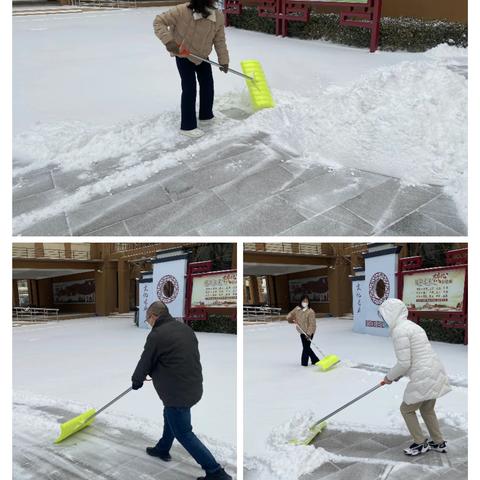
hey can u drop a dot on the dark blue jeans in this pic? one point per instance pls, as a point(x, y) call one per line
point(189, 72)
point(178, 424)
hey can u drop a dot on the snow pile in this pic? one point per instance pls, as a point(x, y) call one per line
point(282, 459)
point(74, 145)
point(407, 121)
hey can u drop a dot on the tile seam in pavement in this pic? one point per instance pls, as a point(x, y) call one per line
point(416, 210)
point(441, 223)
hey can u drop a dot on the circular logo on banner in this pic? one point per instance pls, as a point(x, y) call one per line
point(379, 288)
point(167, 289)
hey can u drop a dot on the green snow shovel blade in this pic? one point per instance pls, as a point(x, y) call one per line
point(78, 423)
point(75, 425)
point(312, 434)
point(327, 362)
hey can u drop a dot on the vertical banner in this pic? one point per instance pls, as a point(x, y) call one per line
point(358, 302)
point(169, 282)
point(145, 298)
point(380, 283)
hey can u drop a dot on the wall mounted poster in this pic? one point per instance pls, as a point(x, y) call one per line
point(215, 291)
point(435, 291)
point(315, 287)
point(76, 291)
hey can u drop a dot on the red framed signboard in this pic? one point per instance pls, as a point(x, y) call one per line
point(210, 291)
point(439, 292)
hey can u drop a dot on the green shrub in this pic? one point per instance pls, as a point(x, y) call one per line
point(215, 324)
point(408, 34)
point(436, 332)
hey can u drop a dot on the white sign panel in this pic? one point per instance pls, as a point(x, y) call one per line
point(169, 283)
point(358, 297)
point(145, 295)
point(380, 284)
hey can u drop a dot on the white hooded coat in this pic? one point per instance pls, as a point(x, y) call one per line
point(416, 358)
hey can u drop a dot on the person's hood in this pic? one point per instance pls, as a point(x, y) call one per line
point(393, 311)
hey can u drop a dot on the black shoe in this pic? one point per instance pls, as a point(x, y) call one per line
point(218, 475)
point(417, 449)
point(154, 452)
point(438, 447)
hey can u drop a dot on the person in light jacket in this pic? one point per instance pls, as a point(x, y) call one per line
point(304, 317)
point(171, 358)
point(197, 26)
point(416, 360)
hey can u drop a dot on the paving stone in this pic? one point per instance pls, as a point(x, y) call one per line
point(114, 208)
point(367, 471)
point(250, 189)
point(334, 222)
point(330, 189)
point(388, 202)
point(179, 217)
point(53, 226)
point(118, 229)
point(418, 224)
point(32, 185)
point(268, 217)
point(444, 210)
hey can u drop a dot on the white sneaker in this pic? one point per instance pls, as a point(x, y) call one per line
point(195, 133)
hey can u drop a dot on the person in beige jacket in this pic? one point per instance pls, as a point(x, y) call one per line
point(198, 27)
point(304, 317)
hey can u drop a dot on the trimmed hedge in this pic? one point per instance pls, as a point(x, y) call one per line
point(436, 332)
point(215, 324)
point(410, 34)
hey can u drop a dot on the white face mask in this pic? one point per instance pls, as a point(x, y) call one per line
point(304, 305)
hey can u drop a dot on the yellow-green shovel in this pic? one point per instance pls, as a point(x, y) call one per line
point(78, 423)
point(328, 361)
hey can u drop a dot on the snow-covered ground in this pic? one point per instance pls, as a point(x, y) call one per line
point(95, 87)
point(283, 398)
point(74, 365)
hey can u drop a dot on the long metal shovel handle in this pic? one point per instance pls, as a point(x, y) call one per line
point(211, 62)
point(356, 399)
point(108, 404)
point(308, 336)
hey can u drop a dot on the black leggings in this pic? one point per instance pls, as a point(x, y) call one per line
point(189, 73)
point(307, 352)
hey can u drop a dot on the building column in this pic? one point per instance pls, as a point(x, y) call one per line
point(254, 289)
point(123, 286)
point(106, 289)
point(339, 286)
point(15, 297)
point(234, 256)
point(39, 250)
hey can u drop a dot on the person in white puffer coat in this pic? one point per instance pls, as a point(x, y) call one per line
point(417, 360)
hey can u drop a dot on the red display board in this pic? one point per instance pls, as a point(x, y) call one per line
point(438, 293)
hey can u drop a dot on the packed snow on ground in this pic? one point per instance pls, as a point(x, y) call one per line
point(282, 398)
point(80, 364)
point(92, 87)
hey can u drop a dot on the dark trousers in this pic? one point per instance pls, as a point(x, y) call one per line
point(178, 424)
point(307, 352)
point(189, 72)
